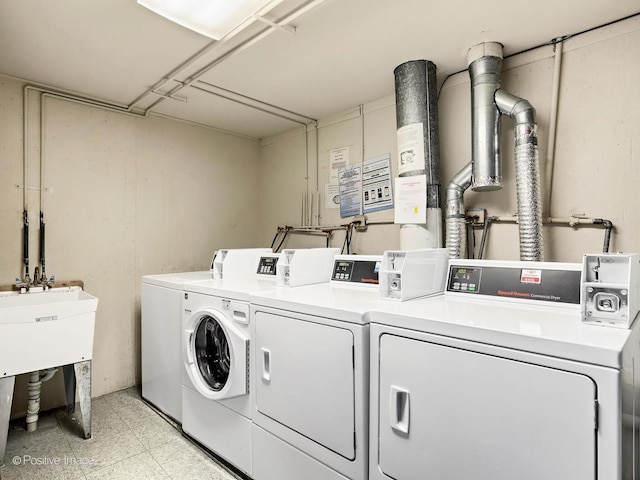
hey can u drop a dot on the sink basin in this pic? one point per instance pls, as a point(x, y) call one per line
point(45, 329)
point(38, 307)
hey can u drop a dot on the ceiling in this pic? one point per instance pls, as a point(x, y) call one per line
point(341, 54)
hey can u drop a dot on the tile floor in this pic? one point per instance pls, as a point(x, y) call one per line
point(129, 440)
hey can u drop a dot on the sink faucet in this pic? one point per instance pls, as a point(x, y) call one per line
point(25, 284)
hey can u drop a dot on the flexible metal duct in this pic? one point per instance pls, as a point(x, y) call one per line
point(527, 173)
point(419, 145)
point(455, 217)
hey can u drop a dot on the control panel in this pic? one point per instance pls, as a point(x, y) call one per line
point(526, 281)
point(356, 269)
point(267, 265)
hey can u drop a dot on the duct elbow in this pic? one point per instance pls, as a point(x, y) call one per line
point(455, 221)
point(519, 109)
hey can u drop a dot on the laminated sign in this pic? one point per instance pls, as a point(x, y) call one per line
point(350, 191)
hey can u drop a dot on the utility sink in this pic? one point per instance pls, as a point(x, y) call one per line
point(45, 329)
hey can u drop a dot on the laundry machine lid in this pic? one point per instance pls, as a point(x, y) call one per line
point(232, 288)
point(549, 330)
point(345, 303)
point(177, 280)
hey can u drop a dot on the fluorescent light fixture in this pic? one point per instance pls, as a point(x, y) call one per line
point(212, 18)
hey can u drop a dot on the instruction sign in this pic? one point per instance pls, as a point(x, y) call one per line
point(376, 184)
point(350, 191)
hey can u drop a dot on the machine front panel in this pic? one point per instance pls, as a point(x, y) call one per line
point(447, 412)
point(305, 379)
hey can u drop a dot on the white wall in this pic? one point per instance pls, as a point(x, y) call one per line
point(123, 197)
point(597, 154)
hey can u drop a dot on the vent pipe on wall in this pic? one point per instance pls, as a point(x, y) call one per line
point(455, 218)
point(488, 102)
point(419, 146)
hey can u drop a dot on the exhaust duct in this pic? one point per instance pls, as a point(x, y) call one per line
point(488, 102)
point(419, 146)
point(455, 218)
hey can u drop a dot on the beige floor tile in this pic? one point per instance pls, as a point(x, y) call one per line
point(177, 455)
point(139, 466)
point(105, 448)
point(155, 431)
point(203, 469)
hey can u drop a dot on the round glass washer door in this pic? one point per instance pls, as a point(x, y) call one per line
point(216, 355)
point(212, 355)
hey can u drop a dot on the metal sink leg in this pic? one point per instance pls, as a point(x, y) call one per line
point(83, 379)
point(6, 397)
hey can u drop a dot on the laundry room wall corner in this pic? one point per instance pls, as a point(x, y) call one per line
point(123, 197)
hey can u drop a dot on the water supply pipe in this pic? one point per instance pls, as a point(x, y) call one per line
point(419, 146)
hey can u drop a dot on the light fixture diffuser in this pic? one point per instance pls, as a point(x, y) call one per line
point(212, 18)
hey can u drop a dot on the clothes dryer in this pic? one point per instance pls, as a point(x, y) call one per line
point(216, 362)
point(499, 379)
point(161, 307)
point(311, 353)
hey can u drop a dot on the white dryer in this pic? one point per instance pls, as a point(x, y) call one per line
point(500, 379)
point(161, 300)
point(161, 316)
point(311, 353)
point(216, 396)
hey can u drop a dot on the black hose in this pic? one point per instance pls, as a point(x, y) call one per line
point(485, 232)
point(608, 229)
point(42, 237)
point(275, 237)
point(25, 244)
point(286, 232)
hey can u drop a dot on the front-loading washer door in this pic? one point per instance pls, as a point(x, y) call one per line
point(216, 355)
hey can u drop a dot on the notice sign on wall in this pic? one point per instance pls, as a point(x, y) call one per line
point(338, 159)
point(410, 147)
point(350, 191)
point(411, 194)
point(376, 184)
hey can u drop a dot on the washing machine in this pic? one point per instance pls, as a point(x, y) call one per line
point(500, 378)
point(216, 368)
point(311, 351)
point(161, 307)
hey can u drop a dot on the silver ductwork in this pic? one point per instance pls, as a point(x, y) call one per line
point(488, 103)
point(485, 64)
point(419, 145)
point(454, 210)
point(527, 174)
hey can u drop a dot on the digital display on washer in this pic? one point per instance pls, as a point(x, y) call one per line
point(356, 271)
point(464, 279)
point(267, 265)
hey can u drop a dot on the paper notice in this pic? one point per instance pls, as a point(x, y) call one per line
point(411, 148)
point(411, 199)
point(338, 159)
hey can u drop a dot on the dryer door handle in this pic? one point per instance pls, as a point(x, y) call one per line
point(266, 365)
point(399, 410)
